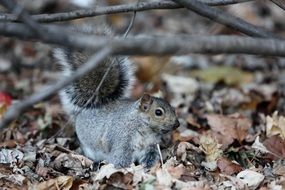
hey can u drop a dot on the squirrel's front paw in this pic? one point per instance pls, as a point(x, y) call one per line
point(150, 158)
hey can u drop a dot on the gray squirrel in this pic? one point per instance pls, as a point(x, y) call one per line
point(110, 126)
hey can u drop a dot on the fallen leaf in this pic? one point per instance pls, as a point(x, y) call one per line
point(192, 185)
point(259, 146)
point(276, 146)
point(85, 162)
point(72, 161)
point(251, 178)
point(106, 171)
point(190, 120)
point(274, 185)
point(210, 147)
point(233, 182)
point(5, 102)
point(210, 165)
point(164, 178)
point(121, 180)
point(8, 144)
point(225, 141)
point(42, 171)
point(139, 174)
point(279, 168)
point(149, 67)
point(61, 182)
point(177, 172)
point(183, 135)
point(230, 75)
point(180, 86)
point(227, 166)
point(182, 148)
point(8, 156)
point(234, 126)
point(275, 125)
point(16, 179)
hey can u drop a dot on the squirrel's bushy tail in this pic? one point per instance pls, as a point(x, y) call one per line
point(81, 93)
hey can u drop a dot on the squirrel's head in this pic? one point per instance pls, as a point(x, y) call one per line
point(158, 114)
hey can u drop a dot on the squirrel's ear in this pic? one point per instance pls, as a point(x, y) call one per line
point(145, 102)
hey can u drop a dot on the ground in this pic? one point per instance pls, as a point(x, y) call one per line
point(230, 108)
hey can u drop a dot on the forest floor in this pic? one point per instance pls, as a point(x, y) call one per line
point(231, 110)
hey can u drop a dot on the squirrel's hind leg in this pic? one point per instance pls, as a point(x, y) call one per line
point(150, 157)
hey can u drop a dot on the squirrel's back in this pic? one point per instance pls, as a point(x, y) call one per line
point(81, 94)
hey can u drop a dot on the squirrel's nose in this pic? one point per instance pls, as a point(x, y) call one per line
point(176, 124)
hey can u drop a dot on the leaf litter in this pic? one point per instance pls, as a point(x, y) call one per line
point(231, 110)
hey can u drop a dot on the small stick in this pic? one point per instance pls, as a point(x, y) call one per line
point(160, 155)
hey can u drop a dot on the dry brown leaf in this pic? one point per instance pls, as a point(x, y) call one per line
point(225, 141)
point(61, 182)
point(177, 172)
point(121, 180)
point(106, 171)
point(275, 125)
point(184, 135)
point(85, 162)
point(210, 147)
point(190, 120)
point(234, 126)
point(227, 166)
point(182, 148)
point(276, 146)
point(279, 168)
point(16, 179)
point(72, 161)
point(42, 171)
point(8, 144)
point(149, 67)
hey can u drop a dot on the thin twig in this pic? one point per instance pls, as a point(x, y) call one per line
point(160, 155)
point(225, 18)
point(15, 110)
point(142, 6)
point(131, 24)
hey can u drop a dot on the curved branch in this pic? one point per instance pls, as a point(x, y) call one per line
point(142, 6)
point(225, 18)
point(279, 3)
point(151, 45)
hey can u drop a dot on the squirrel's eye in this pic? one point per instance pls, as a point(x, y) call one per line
point(158, 112)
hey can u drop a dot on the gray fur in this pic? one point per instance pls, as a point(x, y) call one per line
point(118, 134)
point(113, 128)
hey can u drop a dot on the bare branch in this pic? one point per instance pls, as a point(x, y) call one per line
point(279, 3)
point(23, 15)
point(142, 6)
point(225, 18)
point(15, 110)
point(152, 45)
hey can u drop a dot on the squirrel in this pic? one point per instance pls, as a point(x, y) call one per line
point(109, 125)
